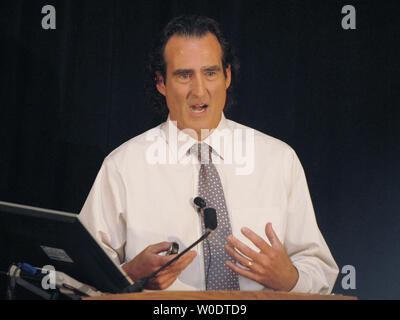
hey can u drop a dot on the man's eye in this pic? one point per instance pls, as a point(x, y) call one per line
point(184, 76)
point(211, 73)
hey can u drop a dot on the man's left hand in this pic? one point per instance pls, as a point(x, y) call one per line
point(270, 267)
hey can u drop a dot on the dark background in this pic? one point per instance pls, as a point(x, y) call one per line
point(70, 96)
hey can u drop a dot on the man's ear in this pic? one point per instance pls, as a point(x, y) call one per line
point(228, 77)
point(160, 84)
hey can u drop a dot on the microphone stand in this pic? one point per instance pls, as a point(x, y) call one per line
point(141, 283)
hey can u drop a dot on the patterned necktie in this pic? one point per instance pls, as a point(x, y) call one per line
point(218, 275)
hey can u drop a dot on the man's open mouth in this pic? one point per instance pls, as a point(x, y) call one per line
point(199, 108)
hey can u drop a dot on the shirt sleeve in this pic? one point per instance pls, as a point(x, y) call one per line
point(103, 211)
point(303, 240)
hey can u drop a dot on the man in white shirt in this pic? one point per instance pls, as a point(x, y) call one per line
point(142, 198)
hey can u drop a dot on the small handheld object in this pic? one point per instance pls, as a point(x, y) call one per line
point(174, 249)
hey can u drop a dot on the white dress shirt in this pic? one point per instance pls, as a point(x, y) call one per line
point(144, 190)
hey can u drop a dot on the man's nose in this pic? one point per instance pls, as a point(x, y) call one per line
point(198, 86)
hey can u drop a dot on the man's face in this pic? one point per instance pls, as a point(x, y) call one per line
point(195, 88)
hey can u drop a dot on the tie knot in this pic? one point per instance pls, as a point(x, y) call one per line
point(202, 151)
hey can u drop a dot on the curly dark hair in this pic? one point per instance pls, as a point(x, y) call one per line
point(190, 26)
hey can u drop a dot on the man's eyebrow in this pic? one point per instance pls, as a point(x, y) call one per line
point(182, 71)
point(211, 68)
point(206, 68)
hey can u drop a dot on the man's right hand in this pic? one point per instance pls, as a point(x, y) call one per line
point(149, 260)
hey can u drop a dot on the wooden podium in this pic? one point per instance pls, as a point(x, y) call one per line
point(219, 295)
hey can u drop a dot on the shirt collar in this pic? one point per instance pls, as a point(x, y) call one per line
point(185, 141)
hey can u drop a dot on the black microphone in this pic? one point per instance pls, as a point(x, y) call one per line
point(210, 219)
point(210, 224)
point(200, 204)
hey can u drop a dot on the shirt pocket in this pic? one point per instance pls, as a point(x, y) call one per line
point(255, 219)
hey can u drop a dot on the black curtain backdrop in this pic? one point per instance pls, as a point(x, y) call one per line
point(69, 96)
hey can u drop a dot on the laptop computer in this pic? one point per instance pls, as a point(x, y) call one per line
point(43, 237)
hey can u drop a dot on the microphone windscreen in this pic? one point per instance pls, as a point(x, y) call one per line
point(199, 202)
point(210, 218)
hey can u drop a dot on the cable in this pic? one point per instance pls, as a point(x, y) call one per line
point(209, 261)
